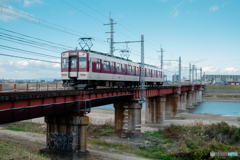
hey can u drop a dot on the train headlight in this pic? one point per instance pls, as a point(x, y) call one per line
point(64, 74)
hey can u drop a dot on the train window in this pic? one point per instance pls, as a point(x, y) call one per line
point(73, 62)
point(82, 62)
point(112, 66)
point(153, 73)
point(133, 70)
point(129, 69)
point(158, 73)
point(148, 72)
point(64, 62)
point(119, 67)
point(106, 65)
point(137, 71)
point(98, 64)
point(124, 69)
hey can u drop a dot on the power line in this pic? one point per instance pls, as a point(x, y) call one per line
point(35, 38)
point(30, 52)
point(23, 40)
point(28, 58)
point(123, 22)
point(38, 21)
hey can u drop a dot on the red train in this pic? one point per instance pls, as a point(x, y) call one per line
point(84, 69)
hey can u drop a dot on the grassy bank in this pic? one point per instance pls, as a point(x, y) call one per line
point(174, 142)
point(8, 151)
point(26, 127)
point(223, 87)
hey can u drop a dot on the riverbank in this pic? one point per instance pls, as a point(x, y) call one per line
point(222, 99)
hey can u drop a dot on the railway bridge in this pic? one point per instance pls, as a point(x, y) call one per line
point(66, 111)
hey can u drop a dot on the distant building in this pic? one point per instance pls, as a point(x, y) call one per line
point(56, 81)
point(175, 78)
point(222, 79)
point(232, 83)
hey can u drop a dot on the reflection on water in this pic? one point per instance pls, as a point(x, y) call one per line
point(225, 108)
point(110, 106)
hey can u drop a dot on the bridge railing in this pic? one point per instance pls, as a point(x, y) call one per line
point(18, 87)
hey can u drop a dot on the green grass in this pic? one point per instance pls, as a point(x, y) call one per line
point(8, 151)
point(26, 127)
point(153, 152)
point(223, 87)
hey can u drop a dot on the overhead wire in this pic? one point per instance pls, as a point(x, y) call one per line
point(34, 38)
point(29, 52)
point(28, 58)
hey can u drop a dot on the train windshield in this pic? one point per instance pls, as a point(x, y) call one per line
point(73, 62)
point(64, 62)
point(82, 62)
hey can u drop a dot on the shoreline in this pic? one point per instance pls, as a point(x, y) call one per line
point(220, 100)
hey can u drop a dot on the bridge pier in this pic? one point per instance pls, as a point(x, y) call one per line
point(194, 102)
point(67, 136)
point(200, 96)
point(182, 101)
point(128, 120)
point(171, 105)
point(189, 99)
point(155, 110)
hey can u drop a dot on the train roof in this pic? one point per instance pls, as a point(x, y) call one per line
point(106, 54)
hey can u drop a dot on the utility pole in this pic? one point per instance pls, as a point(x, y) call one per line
point(204, 79)
point(201, 76)
point(111, 31)
point(192, 77)
point(189, 73)
point(196, 73)
point(142, 80)
point(161, 50)
point(179, 76)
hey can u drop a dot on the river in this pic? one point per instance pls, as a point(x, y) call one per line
point(224, 108)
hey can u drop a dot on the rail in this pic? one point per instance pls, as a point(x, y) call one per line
point(13, 87)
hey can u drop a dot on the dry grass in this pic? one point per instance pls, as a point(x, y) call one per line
point(8, 151)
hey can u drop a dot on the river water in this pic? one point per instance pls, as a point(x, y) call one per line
point(224, 108)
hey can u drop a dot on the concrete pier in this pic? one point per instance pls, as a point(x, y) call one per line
point(155, 110)
point(189, 100)
point(128, 120)
point(182, 101)
point(67, 136)
point(194, 102)
point(171, 105)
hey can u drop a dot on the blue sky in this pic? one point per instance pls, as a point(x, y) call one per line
point(204, 32)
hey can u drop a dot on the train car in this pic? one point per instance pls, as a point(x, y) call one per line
point(84, 69)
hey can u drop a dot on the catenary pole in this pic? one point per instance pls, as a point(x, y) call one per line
point(179, 76)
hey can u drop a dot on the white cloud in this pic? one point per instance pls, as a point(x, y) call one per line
point(28, 3)
point(213, 8)
point(24, 69)
point(228, 60)
point(231, 69)
point(197, 60)
point(175, 14)
point(163, 0)
point(176, 11)
point(10, 10)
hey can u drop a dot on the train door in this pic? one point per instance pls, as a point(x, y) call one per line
point(73, 69)
point(98, 66)
point(90, 68)
point(113, 69)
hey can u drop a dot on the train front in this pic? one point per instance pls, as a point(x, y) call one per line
point(74, 68)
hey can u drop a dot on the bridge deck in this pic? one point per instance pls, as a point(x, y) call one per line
point(15, 106)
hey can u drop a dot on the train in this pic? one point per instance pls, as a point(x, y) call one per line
point(90, 69)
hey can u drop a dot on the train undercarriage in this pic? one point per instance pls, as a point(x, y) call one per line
point(86, 84)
